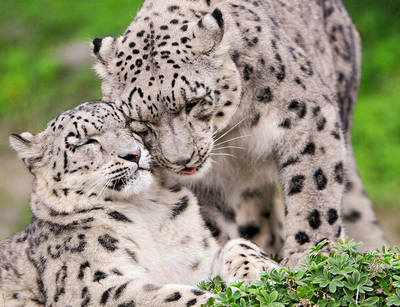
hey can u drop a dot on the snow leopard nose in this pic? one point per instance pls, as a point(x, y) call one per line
point(132, 156)
point(182, 159)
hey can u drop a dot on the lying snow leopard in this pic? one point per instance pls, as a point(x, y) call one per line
point(107, 229)
point(282, 78)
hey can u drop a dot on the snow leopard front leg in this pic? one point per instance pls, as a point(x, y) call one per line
point(127, 292)
point(312, 161)
point(241, 259)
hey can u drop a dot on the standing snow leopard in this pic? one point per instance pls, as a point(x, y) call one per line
point(107, 229)
point(282, 77)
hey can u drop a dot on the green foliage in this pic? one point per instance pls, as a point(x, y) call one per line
point(36, 84)
point(376, 127)
point(344, 278)
point(376, 140)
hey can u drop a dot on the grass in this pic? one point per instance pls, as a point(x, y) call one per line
point(36, 84)
point(345, 278)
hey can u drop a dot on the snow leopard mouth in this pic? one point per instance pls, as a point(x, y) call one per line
point(192, 171)
point(188, 170)
point(129, 175)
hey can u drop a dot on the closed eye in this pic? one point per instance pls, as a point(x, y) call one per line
point(139, 126)
point(192, 104)
point(137, 138)
point(91, 141)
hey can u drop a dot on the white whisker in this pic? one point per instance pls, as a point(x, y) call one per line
point(90, 178)
point(230, 129)
point(239, 137)
point(237, 147)
point(95, 183)
point(223, 154)
point(213, 161)
point(90, 189)
point(113, 188)
point(237, 107)
point(98, 183)
point(98, 195)
point(95, 174)
point(103, 190)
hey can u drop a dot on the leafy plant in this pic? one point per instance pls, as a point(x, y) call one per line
point(344, 278)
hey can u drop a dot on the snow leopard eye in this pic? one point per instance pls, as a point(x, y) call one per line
point(138, 126)
point(190, 105)
point(91, 141)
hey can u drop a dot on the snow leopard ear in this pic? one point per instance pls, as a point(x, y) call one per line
point(25, 146)
point(103, 50)
point(210, 30)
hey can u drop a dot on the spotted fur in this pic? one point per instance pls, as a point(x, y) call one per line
point(107, 228)
point(282, 77)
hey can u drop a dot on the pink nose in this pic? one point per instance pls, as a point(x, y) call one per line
point(133, 156)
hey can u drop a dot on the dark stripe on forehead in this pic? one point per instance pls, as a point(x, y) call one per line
point(131, 93)
point(65, 160)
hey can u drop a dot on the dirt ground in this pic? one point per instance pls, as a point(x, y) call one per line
point(15, 187)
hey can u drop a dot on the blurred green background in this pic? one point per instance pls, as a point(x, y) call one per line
point(45, 68)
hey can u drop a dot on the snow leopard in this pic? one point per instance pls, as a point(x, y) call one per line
point(108, 228)
point(253, 97)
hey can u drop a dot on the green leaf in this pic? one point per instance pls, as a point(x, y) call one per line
point(371, 300)
point(396, 283)
point(236, 295)
point(394, 300)
point(345, 278)
point(333, 303)
point(383, 283)
point(332, 287)
point(222, 297)
point(277, 304)
point(273, 295)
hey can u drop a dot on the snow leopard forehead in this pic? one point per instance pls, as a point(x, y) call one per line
point(164, 62)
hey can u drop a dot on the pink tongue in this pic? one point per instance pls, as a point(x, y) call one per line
point(188, 170)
